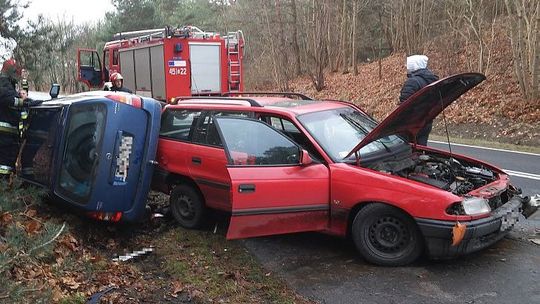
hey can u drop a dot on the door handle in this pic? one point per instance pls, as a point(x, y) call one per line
point(246, 188)
point(196, 160)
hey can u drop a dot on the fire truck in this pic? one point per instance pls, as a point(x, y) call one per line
point(169, 62)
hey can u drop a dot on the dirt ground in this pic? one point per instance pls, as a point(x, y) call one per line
point(182, 266)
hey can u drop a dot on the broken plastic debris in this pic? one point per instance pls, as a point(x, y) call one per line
point(134, 254)
point(536, 241)
point(535, 200)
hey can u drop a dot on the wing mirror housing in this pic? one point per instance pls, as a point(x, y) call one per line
point(54, 91)
point(305, 159)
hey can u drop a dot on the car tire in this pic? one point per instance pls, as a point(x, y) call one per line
point(187, 206)
point(385, 235)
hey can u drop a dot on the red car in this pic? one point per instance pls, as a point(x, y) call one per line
point(286, 163)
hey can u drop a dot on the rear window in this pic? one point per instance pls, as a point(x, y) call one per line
point(178, 123)
point(80, 159)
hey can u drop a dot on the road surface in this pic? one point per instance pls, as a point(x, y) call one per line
point(328, 269)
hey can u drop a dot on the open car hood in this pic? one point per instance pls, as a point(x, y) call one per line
point(422, 107)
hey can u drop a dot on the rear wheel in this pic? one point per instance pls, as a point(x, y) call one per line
point(385, 235)
point(187, 206)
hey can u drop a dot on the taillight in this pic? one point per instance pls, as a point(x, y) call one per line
point(131, 100)
point(106, 216)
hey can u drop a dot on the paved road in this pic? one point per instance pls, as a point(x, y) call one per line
point(328, 270)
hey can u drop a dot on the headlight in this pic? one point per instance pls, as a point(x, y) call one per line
point(475, 206)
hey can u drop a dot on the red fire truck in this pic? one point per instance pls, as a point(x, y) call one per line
point(169, 62)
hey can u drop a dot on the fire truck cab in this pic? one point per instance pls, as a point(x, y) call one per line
point(169, 62)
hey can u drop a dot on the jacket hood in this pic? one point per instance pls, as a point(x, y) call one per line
point(422, 107)
point(416, 62)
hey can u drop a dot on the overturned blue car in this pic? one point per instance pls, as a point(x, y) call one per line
point(94, 151)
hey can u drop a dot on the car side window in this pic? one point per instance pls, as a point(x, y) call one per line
point(206, 132)
point(290, 130)
point(250, 142)
point(178, 124)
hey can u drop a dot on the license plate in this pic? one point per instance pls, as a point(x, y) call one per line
point(510, 219)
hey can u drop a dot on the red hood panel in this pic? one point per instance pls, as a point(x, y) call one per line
point(422, 107)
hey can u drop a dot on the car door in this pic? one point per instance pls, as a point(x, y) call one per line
point(89, 68)
point(207, 161)
point(272, 190)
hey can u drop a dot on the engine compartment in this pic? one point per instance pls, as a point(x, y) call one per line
point(447, 173)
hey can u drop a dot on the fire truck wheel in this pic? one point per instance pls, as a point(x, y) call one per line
point(187, 206)
point(385, 235)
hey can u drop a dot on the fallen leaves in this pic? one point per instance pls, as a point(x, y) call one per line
point(496, 103)
point(177, 287)
point(6, 218)
point(32, 226)
point(70, 282)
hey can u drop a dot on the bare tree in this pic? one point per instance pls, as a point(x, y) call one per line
point(524, 21)
point(410, 23)
point(295, 46)
point(317, 26)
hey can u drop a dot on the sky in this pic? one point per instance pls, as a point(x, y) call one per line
point(80, 10)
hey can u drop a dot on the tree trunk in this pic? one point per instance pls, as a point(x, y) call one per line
point(353, 48)
point(296, 48)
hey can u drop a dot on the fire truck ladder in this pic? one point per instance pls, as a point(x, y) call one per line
point(234, 43)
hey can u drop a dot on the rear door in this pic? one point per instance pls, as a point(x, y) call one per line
point(89, 68)
point(271, 191)
point(207, 161)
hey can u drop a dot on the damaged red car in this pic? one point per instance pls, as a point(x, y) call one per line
point(284, 164)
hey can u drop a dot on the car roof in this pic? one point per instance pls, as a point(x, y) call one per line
point(280, 104)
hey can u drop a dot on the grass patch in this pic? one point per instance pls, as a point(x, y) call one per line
point(216, 269)
point(486, 143)
point(77, 298)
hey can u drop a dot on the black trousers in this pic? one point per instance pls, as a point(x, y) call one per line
point(423, 134)
point(9, 149)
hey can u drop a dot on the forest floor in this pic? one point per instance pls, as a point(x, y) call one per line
point(184, 266)
point(493, 111)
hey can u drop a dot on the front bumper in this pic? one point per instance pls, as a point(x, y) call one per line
point(479, 233)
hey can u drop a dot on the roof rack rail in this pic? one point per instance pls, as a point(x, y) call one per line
point(285, 94)
point(252, 102)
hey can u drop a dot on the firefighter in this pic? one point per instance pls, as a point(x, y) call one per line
point(11, 105)
point(24, 80)
point(118, 83)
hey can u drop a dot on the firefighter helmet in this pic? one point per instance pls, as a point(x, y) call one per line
point(116, 76)
point(11, 69)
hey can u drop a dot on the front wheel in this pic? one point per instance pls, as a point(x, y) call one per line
point(187, 206)
point(386, 236)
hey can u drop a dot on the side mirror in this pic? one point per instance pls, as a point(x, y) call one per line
point(54, 91)
point(305, 159)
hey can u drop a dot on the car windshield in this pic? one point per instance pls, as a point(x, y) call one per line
point(338, 131)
